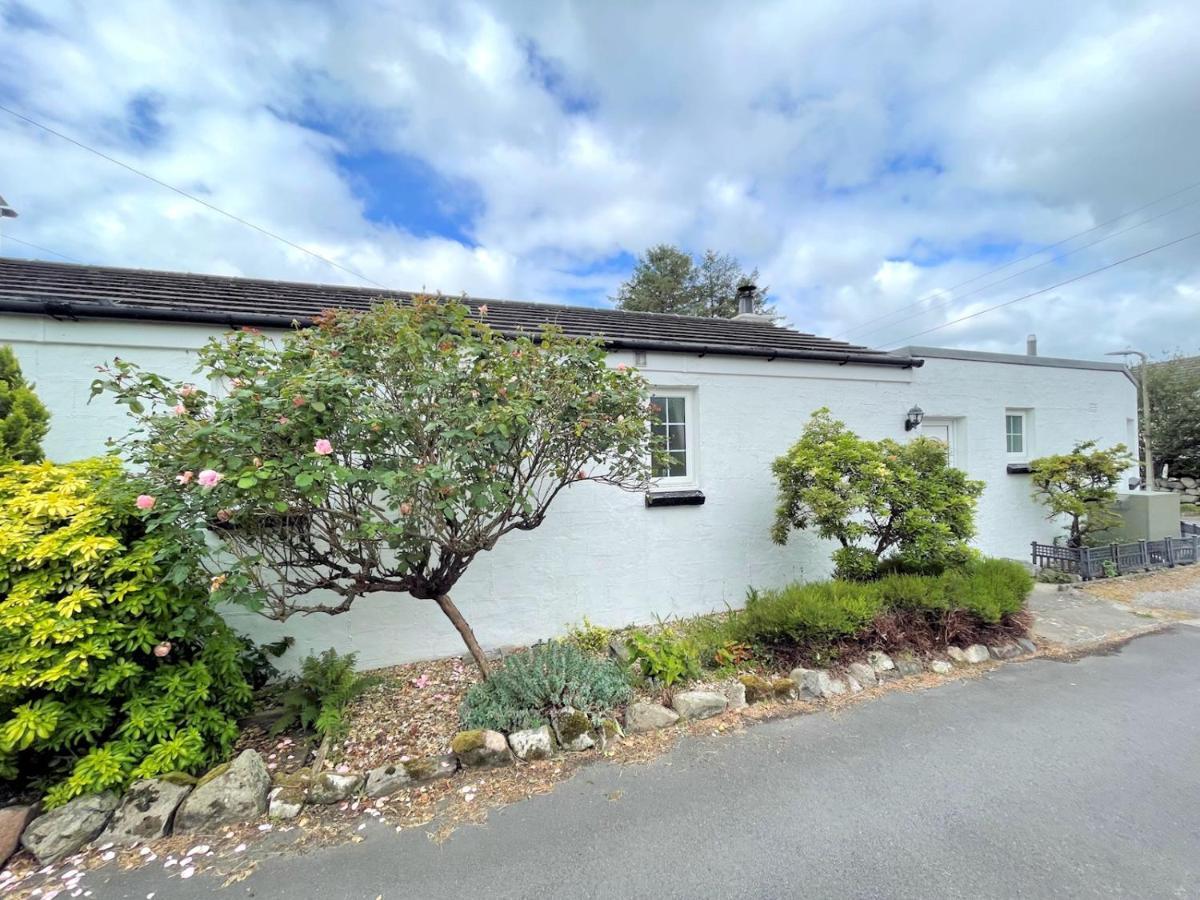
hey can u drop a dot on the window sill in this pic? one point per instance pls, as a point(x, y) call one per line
point(683, 497)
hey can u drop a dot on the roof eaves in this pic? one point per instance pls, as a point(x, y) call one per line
point(92, 309)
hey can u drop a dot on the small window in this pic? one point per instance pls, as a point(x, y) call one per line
point(1014, 433)
point(671, 425)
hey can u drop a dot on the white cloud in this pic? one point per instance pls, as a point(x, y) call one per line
point(863, 158)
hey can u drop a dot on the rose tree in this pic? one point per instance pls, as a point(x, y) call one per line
point(375, 452)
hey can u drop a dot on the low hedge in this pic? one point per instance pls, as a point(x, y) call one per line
point(818, 613)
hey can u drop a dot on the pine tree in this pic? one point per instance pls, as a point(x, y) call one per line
point(24, 421)
point(668, 280)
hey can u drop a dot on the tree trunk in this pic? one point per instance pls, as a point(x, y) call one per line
point(446, 605)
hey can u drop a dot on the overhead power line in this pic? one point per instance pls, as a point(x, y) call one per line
point(189, 196)
point(1058, 258)
point(945, 291)
point(8, 237)
point(1112, 265)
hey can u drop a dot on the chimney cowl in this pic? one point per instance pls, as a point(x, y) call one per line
point(1031, 345)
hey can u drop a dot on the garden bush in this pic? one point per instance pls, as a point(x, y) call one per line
point(316, 699)
point(989, 589)
point(591, 637)
point(807, 614)
point(986, 592)
point(877, 499)
point(532, 684)
point(113, 666)
point(665, 655)
point(24, 421)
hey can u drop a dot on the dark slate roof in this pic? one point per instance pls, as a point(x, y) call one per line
point(73, 291)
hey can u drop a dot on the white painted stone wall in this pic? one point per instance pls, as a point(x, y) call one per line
point(601, 552)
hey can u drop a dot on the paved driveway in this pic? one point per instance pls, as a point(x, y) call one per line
point(1040, 779)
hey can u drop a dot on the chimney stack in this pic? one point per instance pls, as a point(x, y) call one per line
point(1031, 345)
point(745, 295)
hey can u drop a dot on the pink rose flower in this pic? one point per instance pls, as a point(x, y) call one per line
point(162, 648)
point(179, 409)
point(297, 400)
point(208, 478)
point(187, 390)
point(144, 501)
point(483, 309)
point(224, 515)
point(185, 477)
point(405, 508)
point(323, 447)
point(621, 367)
point(283, 420)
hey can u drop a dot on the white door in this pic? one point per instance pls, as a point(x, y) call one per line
point(942, 431)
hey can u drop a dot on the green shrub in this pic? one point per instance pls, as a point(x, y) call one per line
point(714, 642)
point(989, 588)
point(592, 638)
point(316, 699)
point(113, 666)
point(875, 498)
point(808, 614)
point(665, 655)
point(854, 564)
point(821, 613)
point(1080, 489)
point(913, 592)
point(532, 684)
point(24, 421)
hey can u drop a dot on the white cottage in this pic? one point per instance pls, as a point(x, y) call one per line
point(742, 390)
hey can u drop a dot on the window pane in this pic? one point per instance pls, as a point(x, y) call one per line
point(1014, 427)
point(675, 438)
point(678, 466)
point(669, 430)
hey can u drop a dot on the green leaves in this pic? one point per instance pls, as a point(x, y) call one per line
point(874, 498)
point(88, 591)
point(317, 698)
point(30, 722)
point(24, 421)
point(443, 436)
point(1081, 485)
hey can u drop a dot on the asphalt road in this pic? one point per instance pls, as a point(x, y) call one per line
point(1043, 779)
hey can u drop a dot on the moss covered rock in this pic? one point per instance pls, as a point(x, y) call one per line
point(574, 730)
point(388, 779)
point(480, 749)
point(609, 732)
point(532, 743)
point(287, 801)
point(757, 688)
point(334, 787)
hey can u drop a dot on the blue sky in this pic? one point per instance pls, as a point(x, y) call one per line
point(866, 159)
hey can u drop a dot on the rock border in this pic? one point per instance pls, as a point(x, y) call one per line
point(243, 789)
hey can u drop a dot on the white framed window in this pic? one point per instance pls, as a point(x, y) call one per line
point(1017, 435)
point(673, 424)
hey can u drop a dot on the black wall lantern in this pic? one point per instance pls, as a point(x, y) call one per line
point(914, 417)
